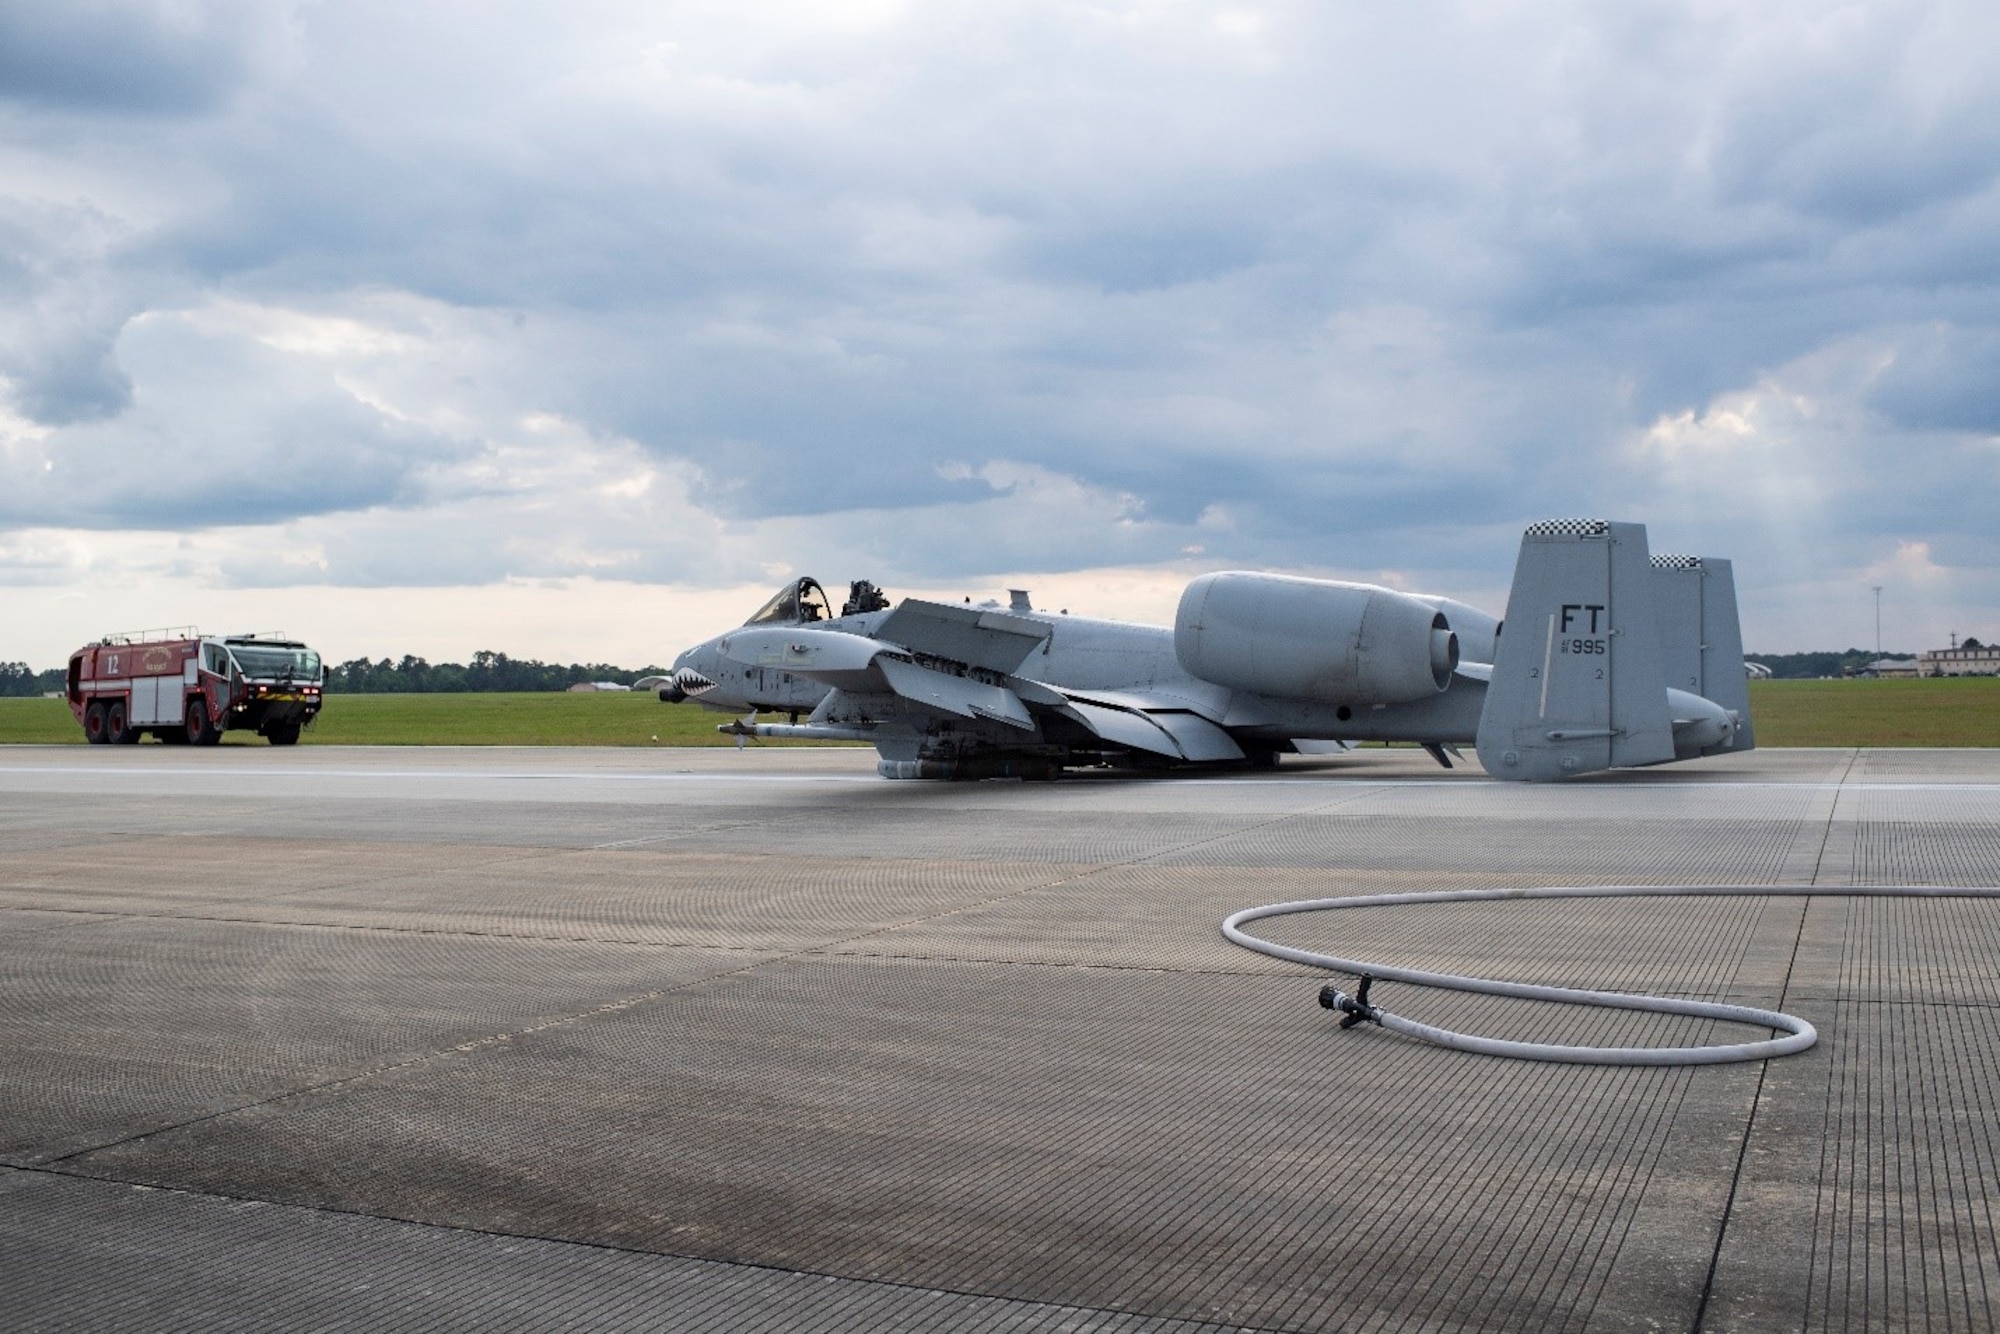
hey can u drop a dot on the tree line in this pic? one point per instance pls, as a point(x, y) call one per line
point(488, 670)
point(17, 682)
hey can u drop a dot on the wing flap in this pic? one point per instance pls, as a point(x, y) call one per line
point(1135, 730)
point(1197, 737)
point(1174, 733)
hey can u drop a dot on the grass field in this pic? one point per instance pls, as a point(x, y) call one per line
point(1788, 713)
point(1963, 711)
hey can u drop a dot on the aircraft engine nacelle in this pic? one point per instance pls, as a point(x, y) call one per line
point(1313, 639)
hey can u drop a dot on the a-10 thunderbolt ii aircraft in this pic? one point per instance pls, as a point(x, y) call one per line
point(1607, 658)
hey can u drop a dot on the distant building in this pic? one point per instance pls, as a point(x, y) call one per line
point(1900, 668)
point(1980, 660)
point(1756, 671)
point(588, 686)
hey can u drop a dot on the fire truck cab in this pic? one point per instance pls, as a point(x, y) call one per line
point(183, 686)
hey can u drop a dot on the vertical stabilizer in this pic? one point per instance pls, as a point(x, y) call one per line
point(1577, 683)
point(1701, 640)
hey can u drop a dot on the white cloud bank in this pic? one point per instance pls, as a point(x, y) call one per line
point(435, 327)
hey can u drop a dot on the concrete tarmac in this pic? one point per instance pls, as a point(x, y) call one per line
point(704, 1040)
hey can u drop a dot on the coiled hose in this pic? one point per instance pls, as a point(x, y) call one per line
point(1798, 1034)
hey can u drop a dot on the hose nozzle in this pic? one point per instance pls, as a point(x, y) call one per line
point(1356, 1007)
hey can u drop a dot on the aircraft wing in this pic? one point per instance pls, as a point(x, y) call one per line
point(985, 637)
point(949, 693)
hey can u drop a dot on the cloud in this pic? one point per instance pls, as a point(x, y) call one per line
point(64, 304)
point(1942, 379)
point(221, 430)
point(1865, 113)
point(133, 57)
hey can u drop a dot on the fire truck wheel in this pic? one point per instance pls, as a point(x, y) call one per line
point(199, 729)
point(283, 734)
point(116, 729)
point(93, 724)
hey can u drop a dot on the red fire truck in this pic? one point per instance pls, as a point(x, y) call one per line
point(184, 686)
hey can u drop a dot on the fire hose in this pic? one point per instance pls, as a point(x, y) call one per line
point(1798, 1035)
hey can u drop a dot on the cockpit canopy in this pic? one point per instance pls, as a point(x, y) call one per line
point(801, 600)
point(804, 600)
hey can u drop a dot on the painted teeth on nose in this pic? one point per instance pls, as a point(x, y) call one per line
point(692, 682)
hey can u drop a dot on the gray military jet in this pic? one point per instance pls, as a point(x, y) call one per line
point(1607, 658)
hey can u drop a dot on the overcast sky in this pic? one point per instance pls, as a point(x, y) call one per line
point(569, 330)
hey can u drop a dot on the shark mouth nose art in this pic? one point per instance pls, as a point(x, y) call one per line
point(691, 682)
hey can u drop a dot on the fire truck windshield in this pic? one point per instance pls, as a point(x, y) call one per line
point(269, 662)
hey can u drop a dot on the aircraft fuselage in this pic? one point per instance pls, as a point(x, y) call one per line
point(1257, 665)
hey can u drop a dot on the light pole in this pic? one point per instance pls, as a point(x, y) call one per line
point(1878, 620)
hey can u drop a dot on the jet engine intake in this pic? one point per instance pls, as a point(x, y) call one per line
point(1313, 639)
